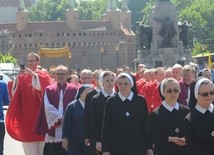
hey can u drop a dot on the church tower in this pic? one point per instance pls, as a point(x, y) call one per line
point(125, 15)
point(113, 14)
point(72, 16)
point(21, 16)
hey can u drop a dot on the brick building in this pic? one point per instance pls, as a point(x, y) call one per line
point(108, 43)
point(8, 9)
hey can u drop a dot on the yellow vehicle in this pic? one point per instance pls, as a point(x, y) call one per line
point(204, 60)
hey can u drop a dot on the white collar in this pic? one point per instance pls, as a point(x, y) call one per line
point(203, 110)
point(106, 94)
point(82, 103)
point(123, 98)
point(170, 108)
point(97, 89)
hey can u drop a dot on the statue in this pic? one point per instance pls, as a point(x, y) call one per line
point(183, 31)
point(167, 32)
point(145, 33)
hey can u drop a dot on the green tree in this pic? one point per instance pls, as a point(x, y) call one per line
point(53, 10)
point(48, 10)
point(7, 59)
point(136, 7)
point(91, 10)
point(200, 15)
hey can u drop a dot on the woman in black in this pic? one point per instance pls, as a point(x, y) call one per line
point(107, 81)
point(125, 119)
point(166, 123)
point(89, 141)
point(199, 123)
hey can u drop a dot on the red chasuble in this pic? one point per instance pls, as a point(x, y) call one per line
point(24, 106)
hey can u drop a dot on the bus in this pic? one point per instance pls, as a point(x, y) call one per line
point(204, 60)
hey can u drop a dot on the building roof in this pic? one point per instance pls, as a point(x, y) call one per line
point(9, 26)
point(46, 26)
point(55, 26)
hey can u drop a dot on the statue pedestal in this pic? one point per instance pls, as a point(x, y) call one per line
point(167, 57)
point(165, 50)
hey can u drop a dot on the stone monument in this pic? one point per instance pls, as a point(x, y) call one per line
point(166, 45)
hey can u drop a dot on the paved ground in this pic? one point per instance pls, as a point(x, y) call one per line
point(12, 147)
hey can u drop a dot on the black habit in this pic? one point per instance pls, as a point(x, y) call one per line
point(161, 124)
point(124, 126)
point(199, 132)
point(88, 111)
point(97, 106)
point(87, 120)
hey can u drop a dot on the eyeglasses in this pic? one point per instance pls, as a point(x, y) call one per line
point(31, 60)
point(61, 74)
point(175, 90)
point(207, 93)
point(85, 78)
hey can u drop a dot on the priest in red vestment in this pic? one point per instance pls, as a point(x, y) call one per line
point(27, 92)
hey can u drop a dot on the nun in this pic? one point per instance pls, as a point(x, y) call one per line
point(125, 119)
point(166, 123)
point(199, 123)
point(107, 81)
point(73, 132)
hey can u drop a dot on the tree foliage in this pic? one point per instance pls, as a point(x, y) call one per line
point(48, 10)
point(7, 59)
point(136, 7)
point(91, 10)
point(53, 10)
point(200, 15)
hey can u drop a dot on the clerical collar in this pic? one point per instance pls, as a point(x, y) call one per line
point(123, 98)
point(106, 94)
point(97, 89)
point(61, 86)
point(170, 108)
point(82, 103)
point(203, 110)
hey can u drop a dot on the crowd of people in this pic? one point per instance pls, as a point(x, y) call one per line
point(158, 111)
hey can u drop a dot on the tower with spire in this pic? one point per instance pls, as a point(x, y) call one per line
point(113, 14)
point(125, 15)
point(21, 16)
point(118, 17)
point(72, 16)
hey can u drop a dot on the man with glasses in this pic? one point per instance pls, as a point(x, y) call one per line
point(50, 119)
point(188, 75)
point(27, 92)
